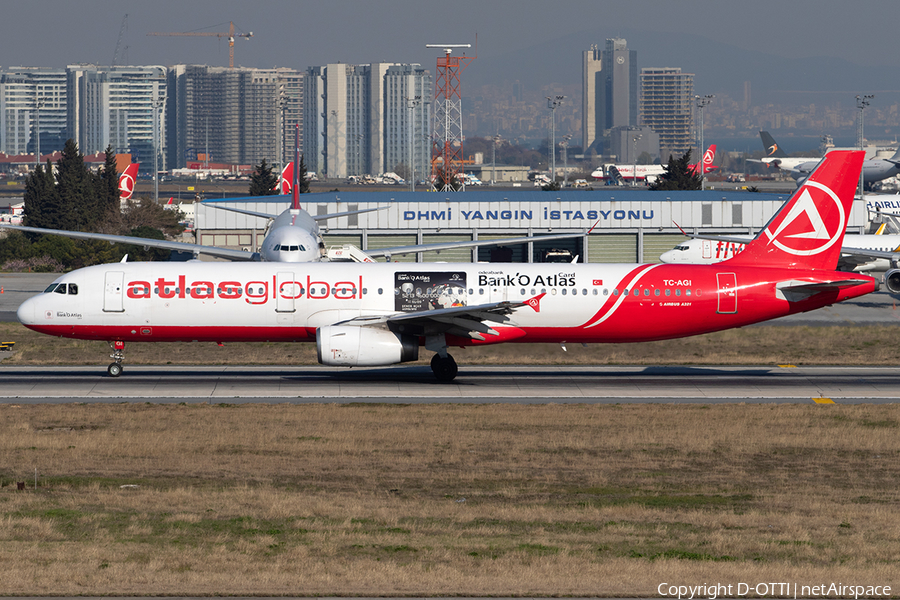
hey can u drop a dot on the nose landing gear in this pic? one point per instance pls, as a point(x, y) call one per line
point(118, 355)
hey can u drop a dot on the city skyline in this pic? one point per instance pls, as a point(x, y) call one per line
point(522, 40)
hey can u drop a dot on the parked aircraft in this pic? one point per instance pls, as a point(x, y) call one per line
point(873, 170)
point(777, 157)
point(381, 314)
point(649, 173)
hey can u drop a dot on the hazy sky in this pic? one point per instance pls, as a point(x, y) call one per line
point(302, 33)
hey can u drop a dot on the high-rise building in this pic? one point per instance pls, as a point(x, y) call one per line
point(666, 107)
point(225, 115)
point(117, 107)
point(357, 118)
point(609, 92)
point(290, 101)
point(32, 98)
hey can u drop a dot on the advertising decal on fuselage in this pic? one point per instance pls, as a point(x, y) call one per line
point(429, 290)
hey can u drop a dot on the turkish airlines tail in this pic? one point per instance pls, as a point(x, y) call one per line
point(126, 181)
point(287, 178)
point(808, 230)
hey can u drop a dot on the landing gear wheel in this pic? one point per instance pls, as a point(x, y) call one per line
point(444, 368)
point(114, 369)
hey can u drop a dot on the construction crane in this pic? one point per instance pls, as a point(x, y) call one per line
point(122, 31)
point(229, 34)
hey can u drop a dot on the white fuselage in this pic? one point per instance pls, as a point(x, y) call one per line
point(707, 252)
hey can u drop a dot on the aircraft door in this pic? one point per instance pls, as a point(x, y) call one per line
point(727, 293)
point(286, 293)
point(707, 249)
point(114, 288)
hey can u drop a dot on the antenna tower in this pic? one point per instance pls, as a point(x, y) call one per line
point(447, 136)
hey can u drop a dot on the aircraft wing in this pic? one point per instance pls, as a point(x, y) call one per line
point(473, 244)
point(463, 321)
point(734, 239)
point(194, 249)
point(864, 255)
point(262, 215)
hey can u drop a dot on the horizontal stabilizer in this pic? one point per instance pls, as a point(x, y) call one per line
point(796, 291)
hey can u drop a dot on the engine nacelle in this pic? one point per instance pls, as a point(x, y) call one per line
point(892, 281)
point(349, 346)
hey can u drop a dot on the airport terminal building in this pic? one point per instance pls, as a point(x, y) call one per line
point(614, 225)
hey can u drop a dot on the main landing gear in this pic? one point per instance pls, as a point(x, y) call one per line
point(444, 367)
point(118, 355)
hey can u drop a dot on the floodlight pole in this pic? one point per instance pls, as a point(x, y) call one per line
point(702, 101)
point(861, 103)
point(552, 103)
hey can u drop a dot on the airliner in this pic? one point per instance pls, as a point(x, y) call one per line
point(381, 314)
point(651, 172)
point(799, 168)
point(860, 253)
point(292, 236)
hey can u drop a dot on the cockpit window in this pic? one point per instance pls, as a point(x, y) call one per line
point(50, 288)
point(276, 248)
point(61, 289)
point(73, 289)
point(302, 249)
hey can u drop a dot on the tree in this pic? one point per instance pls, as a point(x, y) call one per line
point(40, 198)
point(302, 181)
point(677, 175)
point(263, 182)
point(107, 185)
point(78, 202)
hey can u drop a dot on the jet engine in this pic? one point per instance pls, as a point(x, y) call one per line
point(349, 346)
point(892, 281)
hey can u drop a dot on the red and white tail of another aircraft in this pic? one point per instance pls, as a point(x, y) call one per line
point(381, 314)
point(642, 172)
point(126, 181)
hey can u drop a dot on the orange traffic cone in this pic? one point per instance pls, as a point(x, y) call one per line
point(1, 289)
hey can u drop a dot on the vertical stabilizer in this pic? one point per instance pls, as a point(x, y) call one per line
point(773, 150)
point(295, 185)
point(808, 230)
point(126, 181)
point(287, 176)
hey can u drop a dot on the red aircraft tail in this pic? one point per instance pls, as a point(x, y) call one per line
point(126, 181)
point(807, 232)
point(287, 179)
point(707, 160)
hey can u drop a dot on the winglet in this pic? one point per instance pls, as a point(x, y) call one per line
point(535, 302)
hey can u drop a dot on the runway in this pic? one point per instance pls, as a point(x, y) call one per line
point(474, 385)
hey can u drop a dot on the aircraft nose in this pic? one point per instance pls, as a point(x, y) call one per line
point(667, 257)
point(25, 312)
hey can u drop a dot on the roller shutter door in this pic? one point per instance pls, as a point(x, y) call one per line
point(390, 241)
point(454, 255)
point(613, 248)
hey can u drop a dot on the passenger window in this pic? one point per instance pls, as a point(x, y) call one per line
point(646, 291)
point(637, 292)
point(687, 292)
point(656, 292)
point(380, 291)
point(616, 292)
point(677, 292)
point(564, 291)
